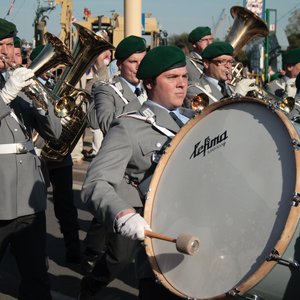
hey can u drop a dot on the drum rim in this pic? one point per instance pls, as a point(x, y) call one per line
point(292, 219)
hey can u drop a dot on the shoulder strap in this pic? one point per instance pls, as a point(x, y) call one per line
point(149, 118)
point(118, 92)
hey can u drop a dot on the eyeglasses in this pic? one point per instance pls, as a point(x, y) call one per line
point(208, 40)
point(223, 62)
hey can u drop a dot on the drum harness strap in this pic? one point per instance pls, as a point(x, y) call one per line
point(149, 118)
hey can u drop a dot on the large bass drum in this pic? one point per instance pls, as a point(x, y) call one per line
point(230, 177)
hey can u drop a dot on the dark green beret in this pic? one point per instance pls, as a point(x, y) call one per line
point(7, 29)
point(36, 51)
point(129, 45)
point(291, 57)
point(17, 42)
point(160, 59)
point(198, 33)
point(216, 49)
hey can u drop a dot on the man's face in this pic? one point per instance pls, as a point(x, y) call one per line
point(293, 71)
point(169, 88)
point(128, 67)
point(218, 67)
point(7, 51)
point(203, 43)
point(17, 57)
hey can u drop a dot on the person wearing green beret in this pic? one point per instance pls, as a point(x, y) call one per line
point(117, 180)
point(23, 189)
point(111, 98)
point(285, 85)
point(217, 61)
point(200, 38)
point(17, 52)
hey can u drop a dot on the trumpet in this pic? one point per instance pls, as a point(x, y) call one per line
point(35, 91)
point(199, 102)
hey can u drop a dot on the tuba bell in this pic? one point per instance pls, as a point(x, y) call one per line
point(73, 114)
point(54, 52)
point(246, 26)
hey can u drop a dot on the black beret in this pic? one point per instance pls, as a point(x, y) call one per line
point(159, 60)
point(198, 33)
point(216, 49)
point(129, 45)
point(291, 57)
point(7, 29)
point(36, 51)
point(17, 42)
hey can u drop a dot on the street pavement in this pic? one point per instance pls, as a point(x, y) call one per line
point(65, 278)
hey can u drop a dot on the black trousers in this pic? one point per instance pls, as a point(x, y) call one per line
point(26, 237)
point(65, 211)
point(119, 253)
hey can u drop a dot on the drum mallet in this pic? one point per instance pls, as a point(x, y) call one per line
point(185, 243)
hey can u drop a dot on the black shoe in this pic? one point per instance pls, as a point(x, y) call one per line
point(88, 262)
point(89, 288)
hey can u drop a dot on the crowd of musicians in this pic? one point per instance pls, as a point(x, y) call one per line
point(139, 101)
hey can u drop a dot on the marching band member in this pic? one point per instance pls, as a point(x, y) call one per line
point(200, 38)
point(112, 98)
point(23, 190)
point(60, 175)
point(285, 85)
point(130, 150)
point(217, 61)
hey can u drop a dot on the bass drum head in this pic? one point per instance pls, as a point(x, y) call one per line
point(228, 177)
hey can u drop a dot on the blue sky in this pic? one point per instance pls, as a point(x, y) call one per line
point(174, 16)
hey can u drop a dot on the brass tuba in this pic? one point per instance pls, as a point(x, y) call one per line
point(54, 52)
point(246, 26)
point(74, 115)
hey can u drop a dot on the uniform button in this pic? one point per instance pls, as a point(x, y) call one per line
point(21, 161)
point(15, 129)
point(158, 145)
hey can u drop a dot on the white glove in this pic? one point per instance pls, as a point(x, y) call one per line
point(19, 78)
point(290, 87)
point(133, 226)
point(244, 86)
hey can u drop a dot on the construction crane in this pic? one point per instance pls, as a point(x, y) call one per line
point(217, 25)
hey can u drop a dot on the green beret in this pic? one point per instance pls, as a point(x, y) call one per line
point(216, 49)
point(36, 51)
point(198, 33)
point(291, 57)
point(159, 60)
point(129, 45)
point(17, 42)
point(7, 29)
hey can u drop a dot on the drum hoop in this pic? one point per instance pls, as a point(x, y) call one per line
point(293, 216)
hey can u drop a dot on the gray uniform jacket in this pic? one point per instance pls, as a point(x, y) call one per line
point(277, 86)
point(209, 88)
point(127, 148)
point(23, 189)
point(194, 66)
point(108, 103)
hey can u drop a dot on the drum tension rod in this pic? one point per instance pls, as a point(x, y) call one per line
point(233, 292)
point(296, 199)
point(296, 144)
point(274, 256)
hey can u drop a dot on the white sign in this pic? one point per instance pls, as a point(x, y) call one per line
point(256, 6)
